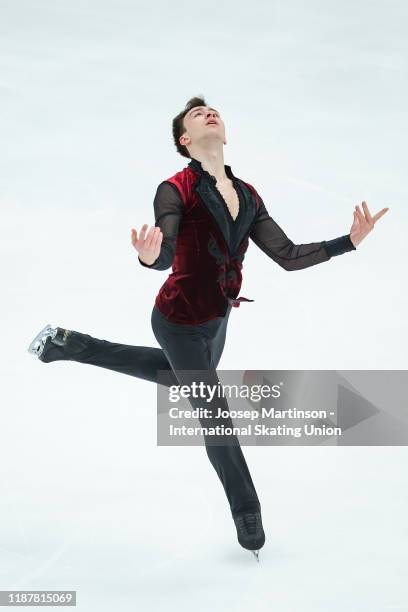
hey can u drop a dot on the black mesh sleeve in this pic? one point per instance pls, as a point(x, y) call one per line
point(273, 241)
point(168, 211)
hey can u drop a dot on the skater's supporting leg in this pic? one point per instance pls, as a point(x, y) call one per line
point(190, 348)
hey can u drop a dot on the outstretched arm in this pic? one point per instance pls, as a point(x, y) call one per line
point(269, 237)
point(159, 246)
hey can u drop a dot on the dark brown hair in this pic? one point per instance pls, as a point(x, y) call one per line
point(178, 123)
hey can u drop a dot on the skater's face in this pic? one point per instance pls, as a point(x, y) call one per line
point(203, 126)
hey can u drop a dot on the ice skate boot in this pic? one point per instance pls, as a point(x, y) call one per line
point(250, 531)
point(55, 343)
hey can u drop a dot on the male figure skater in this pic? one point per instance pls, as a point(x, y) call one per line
point(204, 218)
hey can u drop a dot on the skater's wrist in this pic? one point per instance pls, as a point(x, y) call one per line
point(145, 264)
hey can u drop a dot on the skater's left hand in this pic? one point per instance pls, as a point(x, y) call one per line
point(363, 224)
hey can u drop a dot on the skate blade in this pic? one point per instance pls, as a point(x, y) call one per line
point(48, 330)
point(256, 554)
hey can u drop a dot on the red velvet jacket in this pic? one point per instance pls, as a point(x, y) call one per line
point(206, 247)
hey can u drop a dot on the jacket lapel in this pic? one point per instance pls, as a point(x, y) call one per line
point(247, 216)
point(215, 208)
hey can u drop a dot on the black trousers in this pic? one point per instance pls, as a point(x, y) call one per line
point(184, 350)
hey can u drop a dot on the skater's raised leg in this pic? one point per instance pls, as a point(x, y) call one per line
point(55, 343)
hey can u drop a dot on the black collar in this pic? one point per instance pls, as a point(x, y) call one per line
point(195, 164)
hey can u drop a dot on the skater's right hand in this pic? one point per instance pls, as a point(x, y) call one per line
point(148, 246)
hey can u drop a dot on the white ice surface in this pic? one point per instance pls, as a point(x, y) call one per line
point(314, 99)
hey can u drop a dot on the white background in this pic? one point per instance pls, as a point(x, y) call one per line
point(314, 100)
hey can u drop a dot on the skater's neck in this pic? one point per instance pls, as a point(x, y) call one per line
point(212, 161)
